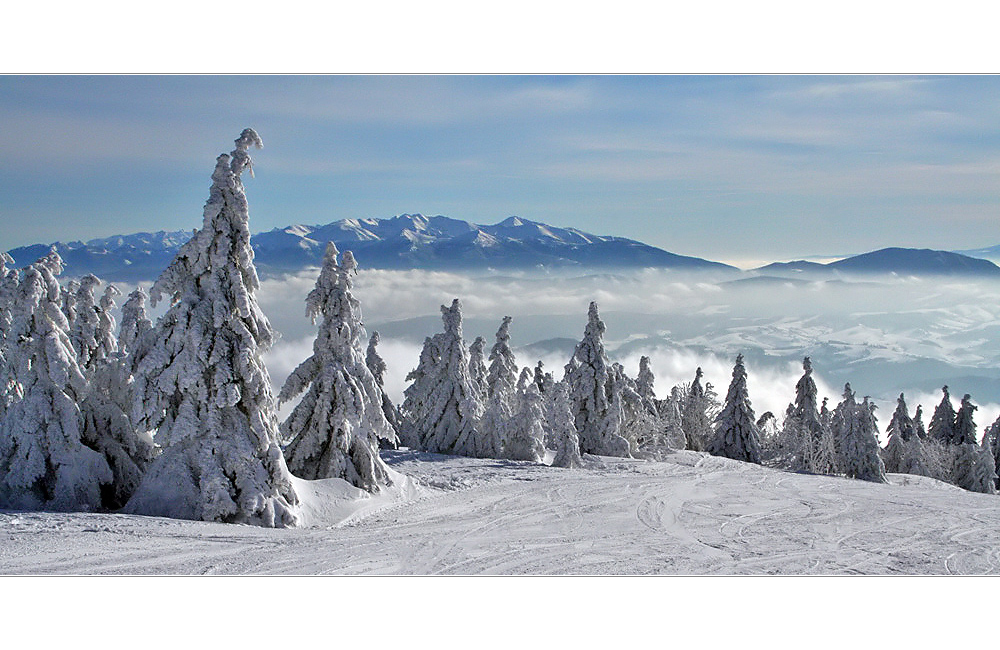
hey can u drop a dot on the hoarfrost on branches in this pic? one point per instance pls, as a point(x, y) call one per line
point(200, 377)
point(334, 431)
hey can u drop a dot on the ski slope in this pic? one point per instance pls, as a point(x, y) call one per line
point(688, 514)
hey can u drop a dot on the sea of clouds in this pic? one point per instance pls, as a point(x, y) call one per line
point(884, 336)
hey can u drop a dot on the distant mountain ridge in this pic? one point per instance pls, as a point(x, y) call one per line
point(901, 261)
point(403, 242)
point(415, 241)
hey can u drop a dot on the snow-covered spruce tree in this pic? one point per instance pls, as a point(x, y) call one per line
point(641, 423)
point(499, 410)
point(334, 431)
point(598, 421)
point(859, 443)
point(694, 417)
point(568, 444)
point(527, 436)
point(502, 374)
point(942, 426)
point(644, 381)
point(107, 402)
point(671, 418)
point(44, 463)
point(477, 366)
point(809, 445)
point(900, 431)
point(918, 422)
point(973, 468)
point(200, 378)
point(448, 414)
point(965, 426)
point(415, 406)
point(134, 323)
point(376, 364)
point(736, 432)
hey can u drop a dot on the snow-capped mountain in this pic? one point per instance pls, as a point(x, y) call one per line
point(901, 261)
point(406, 241)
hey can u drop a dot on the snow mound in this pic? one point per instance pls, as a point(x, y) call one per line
point(332, 502)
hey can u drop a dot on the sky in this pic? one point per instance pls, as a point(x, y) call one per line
point(729, 168)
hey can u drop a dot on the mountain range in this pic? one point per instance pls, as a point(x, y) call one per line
point(404, 242)
point(437, 242)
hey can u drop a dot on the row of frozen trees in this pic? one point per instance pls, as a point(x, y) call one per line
point(456, 405)
point(80, 402)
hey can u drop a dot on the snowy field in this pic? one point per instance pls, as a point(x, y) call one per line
point(691, 514)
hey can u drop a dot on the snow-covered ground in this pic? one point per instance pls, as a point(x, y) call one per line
point(688, 514)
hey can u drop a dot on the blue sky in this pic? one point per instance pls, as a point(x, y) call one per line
point(722, 167)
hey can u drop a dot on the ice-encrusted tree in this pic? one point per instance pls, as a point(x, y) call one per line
point(415, 396)
point(376, 364)
point(200, 377)
point(526, 440)
point(477, 366)
point(942, 426)
point(334, 431)
point(502, 374)
point(563, 429)
point(736, 432)
point(973, 467)
point(92, 338)
point(597, 409)
point(645, 380)
point(44, 463)
point(694, 416)
point(965, 426)
point(135, 323)
point(860, 457)
point(107, 403)
point(497, 424)
point(444, 405)
point(809, 442)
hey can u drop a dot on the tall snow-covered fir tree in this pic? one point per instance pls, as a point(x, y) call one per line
point(645, 380)
point(497, 424)
point(598, 419)
point(807, 442)
point(858, 431)
point(200, 377)
point(918, 422)
point(965, 427)
point(942, 426)
point(334, 431)
point(900, 431)
point(444, 406)
point(736, 433)
point(376, 364)
point(563, 429)
point(44, 462)
point(477, 366)
point(415, 406)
